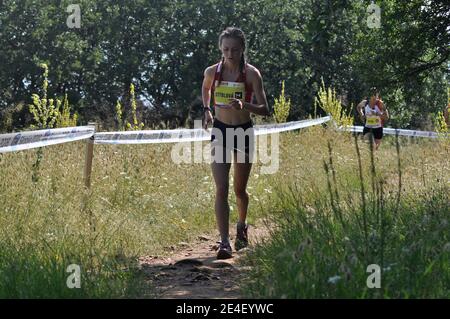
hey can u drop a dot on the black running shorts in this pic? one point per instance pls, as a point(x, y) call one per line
point(241, 138)
point(377, 132)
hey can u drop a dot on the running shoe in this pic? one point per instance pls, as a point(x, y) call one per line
point(241, 237)
point(224, 251)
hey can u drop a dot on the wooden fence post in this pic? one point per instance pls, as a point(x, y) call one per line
point(89, 157)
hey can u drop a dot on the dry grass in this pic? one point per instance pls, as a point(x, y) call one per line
point(142, 203)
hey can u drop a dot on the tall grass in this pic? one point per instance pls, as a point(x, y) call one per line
point(328, 233)
point(141, 203)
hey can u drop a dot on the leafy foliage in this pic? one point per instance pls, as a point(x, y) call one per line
point(163, 48)
point(326, 99)
point(47, 113)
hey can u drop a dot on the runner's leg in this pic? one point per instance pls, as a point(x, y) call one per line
point(220, 173)
point(241, 176)
point(377, 143)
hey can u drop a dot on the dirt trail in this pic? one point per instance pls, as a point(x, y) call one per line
point(194, 271)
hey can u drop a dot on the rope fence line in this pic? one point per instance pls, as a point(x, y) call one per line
point(193, 135)
point(13, 142)
point(402, 132)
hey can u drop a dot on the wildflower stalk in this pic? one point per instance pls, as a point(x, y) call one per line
point(327, 100)
point(281, 107)
point(363, 195)
point(136, 125)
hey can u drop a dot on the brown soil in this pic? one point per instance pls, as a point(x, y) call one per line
point(194, 272)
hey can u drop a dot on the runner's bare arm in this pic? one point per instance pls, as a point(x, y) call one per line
point(386, 115)
point(262, 108)
point(359, 108)
point(384, 111)
point(206, 95)
point(207, 83)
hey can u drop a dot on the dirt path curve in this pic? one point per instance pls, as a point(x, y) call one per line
point(194, 271)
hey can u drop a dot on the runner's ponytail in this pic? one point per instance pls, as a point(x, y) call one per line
point(242, 64)
point(221, 70)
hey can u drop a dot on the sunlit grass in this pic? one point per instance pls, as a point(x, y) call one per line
point(325, 235)
point(141, 203)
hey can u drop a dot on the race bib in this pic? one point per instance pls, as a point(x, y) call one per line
point(228, 90)
point(373, 120)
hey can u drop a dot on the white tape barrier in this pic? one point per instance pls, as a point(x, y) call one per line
point(153, 136)
point(32, 139)
point(27, 140)
point(392, 131)
point(289, 126)
point(13, 142)
point(192, 135)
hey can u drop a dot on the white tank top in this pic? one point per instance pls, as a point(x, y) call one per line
point(372, 119)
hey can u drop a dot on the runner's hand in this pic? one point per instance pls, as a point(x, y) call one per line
point(236, 104)
point(361, 116)
point(207, 118)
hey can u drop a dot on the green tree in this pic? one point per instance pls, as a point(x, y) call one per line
point(162, 47)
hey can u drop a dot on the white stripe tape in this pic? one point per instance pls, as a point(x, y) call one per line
point(13, 142)
point(32, 139)
point(192, 135)
point(150, 136)
point(403, 132)
point(289, 126)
